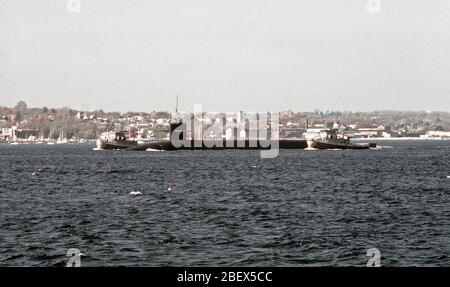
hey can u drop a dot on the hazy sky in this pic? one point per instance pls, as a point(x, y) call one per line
point(228, 55)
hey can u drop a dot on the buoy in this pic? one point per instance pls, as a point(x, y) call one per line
point(169, 189)
point(448, 176)
point(135, 193)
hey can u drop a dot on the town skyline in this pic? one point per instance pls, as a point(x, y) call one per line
point(49, 122)
point(191, 108)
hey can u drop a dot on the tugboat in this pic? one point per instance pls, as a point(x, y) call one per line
point(329, 139)
point(115, 140)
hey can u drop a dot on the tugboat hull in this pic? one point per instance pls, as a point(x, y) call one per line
point(325, 145)
point(115, 145)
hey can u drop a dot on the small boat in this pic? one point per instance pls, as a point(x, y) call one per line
point(62, 139)
point(330, 139)
point(115, 140)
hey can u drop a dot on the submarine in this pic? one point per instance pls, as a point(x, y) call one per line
point(178, 131)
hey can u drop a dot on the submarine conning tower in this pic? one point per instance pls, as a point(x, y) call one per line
point(174, 126)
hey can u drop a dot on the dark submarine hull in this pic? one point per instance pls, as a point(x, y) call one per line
point(240, 144)
point(217, 145)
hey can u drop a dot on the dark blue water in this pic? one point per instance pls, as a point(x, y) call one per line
point(226, 208)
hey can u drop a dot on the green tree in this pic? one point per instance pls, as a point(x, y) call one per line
point(21, 106)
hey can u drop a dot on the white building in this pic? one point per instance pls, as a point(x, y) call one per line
point(436, 135)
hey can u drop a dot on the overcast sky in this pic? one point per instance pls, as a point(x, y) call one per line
point(227, 55)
